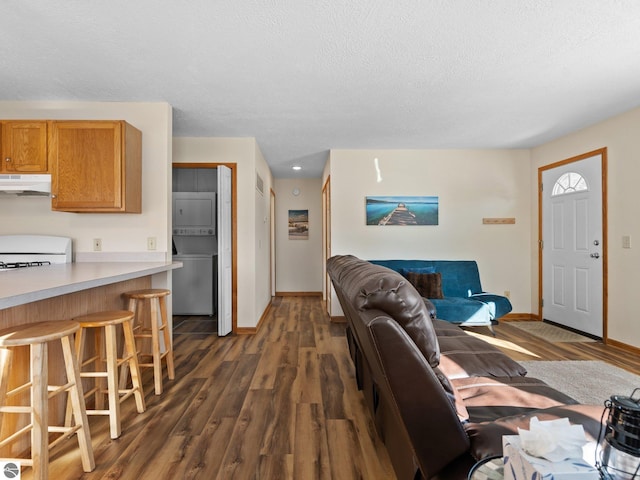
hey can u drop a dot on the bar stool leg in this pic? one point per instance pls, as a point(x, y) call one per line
point(124, 368)
point(112, 380)
point(167, 339)
point(39, 415)
point(77, 404)
point(6, 357)
point(132, 362)
point(155, 346)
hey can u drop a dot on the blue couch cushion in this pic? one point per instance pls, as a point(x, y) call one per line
point(499, 306)
point(464, 311)
point(406, 271)
point(460, 278)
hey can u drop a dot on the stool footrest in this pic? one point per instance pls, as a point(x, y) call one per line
point(58, 389)
point(13, 436)
point(26, 462)
point(15, 409)
point(22, 388)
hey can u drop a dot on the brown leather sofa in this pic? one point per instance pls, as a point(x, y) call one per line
point(440, 399)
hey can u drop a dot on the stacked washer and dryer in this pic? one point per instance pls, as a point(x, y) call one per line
point(195, 245)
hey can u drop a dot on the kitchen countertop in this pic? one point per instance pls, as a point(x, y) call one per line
point(25, 285)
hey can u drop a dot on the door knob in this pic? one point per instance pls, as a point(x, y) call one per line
point(595, 255)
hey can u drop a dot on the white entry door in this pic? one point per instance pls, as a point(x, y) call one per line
point(572, 249)
point(224, 251)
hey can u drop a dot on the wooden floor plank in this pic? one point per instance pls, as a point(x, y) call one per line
point(311, 450)
point(242, 456)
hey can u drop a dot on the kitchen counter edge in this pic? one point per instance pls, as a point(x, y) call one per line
point(33, 284)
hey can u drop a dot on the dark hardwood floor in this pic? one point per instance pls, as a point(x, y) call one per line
point(281, 404)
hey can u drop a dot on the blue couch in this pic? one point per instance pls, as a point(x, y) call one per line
point(464, 302)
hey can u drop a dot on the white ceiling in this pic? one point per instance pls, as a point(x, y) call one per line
point(304, 76)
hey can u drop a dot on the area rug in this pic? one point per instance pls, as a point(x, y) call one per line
point(588, 381)
point(550, 333)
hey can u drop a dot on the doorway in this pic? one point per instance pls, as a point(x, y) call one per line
point(226, 274)
point(573, 243)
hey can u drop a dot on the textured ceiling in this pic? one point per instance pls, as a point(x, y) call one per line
point(305, 76)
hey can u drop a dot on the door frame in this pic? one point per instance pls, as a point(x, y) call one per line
point(605, 239)
point(326, 241)
point(234, 233)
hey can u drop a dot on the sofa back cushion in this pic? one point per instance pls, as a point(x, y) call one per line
point(394, 295)
point(460, 278)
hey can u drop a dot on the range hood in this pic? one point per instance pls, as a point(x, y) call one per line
point(30, 184)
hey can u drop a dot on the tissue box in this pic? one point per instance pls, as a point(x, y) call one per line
point(519, 465)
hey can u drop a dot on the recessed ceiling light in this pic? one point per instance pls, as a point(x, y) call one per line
point(297, 167)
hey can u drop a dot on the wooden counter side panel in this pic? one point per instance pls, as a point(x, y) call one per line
point(108, 297)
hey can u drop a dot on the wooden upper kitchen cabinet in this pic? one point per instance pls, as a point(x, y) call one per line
point(96, 166)
point(24, 146)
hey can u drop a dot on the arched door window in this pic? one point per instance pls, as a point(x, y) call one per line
point(569, 182)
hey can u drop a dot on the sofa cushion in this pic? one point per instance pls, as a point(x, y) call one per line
point(405, 271)
point(464, 311)
point(429, 285)
point(460, 278)
point(490, 398)
point(396, 297)
point(465, 355)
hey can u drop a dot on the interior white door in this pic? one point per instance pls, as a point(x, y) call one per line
point(572, 269)
point(224, 251)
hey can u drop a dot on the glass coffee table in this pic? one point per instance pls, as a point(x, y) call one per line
point(488, 469)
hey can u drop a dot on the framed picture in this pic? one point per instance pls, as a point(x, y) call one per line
point(298, 224)
point(402, 210)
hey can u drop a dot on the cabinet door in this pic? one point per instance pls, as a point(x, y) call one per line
point(96, 166)
point(24, 147)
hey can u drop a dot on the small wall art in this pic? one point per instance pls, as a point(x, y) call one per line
point(298, 224)
point(402, 210)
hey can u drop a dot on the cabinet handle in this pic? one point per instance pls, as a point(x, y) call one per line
point(7, 159)
point(53, 195)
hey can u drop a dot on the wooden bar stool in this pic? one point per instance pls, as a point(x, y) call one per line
point(105, 364)
point(154, 298)
point(36, 336)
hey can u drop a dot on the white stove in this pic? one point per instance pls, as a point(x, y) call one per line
point(23, 251)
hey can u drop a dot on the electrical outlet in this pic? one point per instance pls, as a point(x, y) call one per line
point(151, 243)
point(97, 244)
point(507, 293)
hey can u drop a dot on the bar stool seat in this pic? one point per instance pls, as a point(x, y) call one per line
point(36, 335)
point(105, 363)
point(154, 299)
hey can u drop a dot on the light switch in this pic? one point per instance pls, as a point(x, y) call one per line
point(626, 241)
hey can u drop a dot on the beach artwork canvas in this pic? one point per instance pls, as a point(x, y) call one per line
point(298, 224)
point(401, 210)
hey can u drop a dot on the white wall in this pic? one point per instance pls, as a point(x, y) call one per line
point(252, 267)
point(119, 232)
point(620, 136)
point(470, 184)
point(298, 262)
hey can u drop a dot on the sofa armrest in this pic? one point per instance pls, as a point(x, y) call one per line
point(499, 305)
point(433, 314)
point(411, 386)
